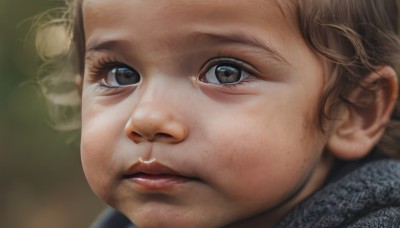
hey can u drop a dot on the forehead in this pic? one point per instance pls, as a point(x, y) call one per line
point(269, 10)
point(166, 19)
point(185, 9)
point(200, 6)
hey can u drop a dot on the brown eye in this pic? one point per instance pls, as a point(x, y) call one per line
point(121, 76)
point(225, 73)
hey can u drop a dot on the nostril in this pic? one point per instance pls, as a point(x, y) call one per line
point(135, 134)
point(136, 137)
point(154, 130)
point(139, 137)
point(163, 135)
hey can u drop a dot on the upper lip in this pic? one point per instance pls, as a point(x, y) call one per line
point(153, 168)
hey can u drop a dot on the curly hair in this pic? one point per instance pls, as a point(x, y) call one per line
point(355, 37)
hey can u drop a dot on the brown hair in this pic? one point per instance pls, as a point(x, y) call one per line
point(355, 37)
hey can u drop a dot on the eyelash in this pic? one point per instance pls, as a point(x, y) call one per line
point(102, 67)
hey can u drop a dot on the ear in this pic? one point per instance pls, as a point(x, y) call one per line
point(362, 122)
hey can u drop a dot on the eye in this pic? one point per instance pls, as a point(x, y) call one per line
point(121, 76)
point(225, 73)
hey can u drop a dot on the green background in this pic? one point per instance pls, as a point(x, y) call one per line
point(41, 179)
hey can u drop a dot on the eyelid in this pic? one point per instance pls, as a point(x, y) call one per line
point(228, 60)
point(99, 68)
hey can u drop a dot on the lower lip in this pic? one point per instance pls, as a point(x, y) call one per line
point(158, 182)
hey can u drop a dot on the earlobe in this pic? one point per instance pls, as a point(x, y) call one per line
point(361, 123)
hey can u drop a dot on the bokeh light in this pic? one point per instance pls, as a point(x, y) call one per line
point(42, 183)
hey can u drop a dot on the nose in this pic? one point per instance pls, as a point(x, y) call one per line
point(155, 123)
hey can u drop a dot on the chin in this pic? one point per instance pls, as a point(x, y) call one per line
point(168, 219)
point(155, 222)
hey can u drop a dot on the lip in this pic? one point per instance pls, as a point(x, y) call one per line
point(155, 176)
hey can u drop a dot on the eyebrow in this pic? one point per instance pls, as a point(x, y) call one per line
point(242, 38)
point(228, 38)
point(106, 45)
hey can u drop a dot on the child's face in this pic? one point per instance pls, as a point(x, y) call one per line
point(225, 93)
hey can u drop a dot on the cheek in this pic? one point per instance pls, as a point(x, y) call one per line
point(98, 141)
point(268, 158)
point(94, 158)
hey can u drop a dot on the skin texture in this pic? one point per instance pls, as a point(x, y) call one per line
point(253, 148)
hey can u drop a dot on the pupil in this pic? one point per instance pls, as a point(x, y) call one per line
point(227, 74)
point(126, 76)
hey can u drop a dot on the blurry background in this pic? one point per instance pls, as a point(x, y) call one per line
point(41, 180)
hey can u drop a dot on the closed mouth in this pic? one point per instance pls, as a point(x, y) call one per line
point(154, 176)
